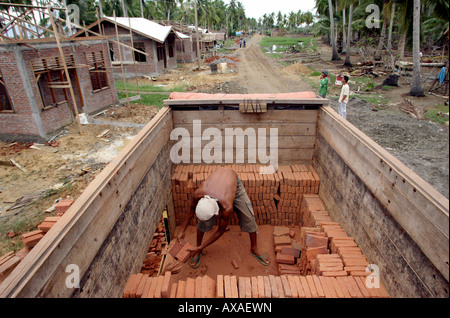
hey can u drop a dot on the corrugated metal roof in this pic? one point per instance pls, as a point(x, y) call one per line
point(145, 27)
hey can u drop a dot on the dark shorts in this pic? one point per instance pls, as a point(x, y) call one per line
point(242, 206)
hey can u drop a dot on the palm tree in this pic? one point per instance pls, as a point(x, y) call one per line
point(349, 36)
point(416, 86)
point(335, 56)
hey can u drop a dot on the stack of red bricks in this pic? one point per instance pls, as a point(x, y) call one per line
point(295, 181)
point(313, 243)
point(153, 257)
point(30, 239)
point(228, 286)
point(276, 196)
point(286, 251)
point(328, 265)
point(144, 286)
point(313, 211)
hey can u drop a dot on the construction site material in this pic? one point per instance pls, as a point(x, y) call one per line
point(376, 199)
point(276, 197)
point(226, 286)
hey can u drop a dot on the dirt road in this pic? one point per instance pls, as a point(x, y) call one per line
point(260, 74)
point(421, 145)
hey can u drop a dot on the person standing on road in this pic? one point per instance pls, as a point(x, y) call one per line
point(343, 99)
point(323, 84)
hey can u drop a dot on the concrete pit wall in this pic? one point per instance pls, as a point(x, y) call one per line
point(398, 220)
point(108, 229)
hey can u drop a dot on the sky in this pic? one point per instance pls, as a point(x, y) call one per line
point(257, 8)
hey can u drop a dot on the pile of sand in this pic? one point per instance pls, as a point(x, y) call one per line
point(297, 68)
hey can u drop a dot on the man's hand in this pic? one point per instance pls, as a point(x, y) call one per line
point(180, 236)
point(195, 250)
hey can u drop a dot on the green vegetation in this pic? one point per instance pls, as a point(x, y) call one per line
point(156, 100)
point(374, 99)
point(433, 114)
point(283, 42)
point(131, 86)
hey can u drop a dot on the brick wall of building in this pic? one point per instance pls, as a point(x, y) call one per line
point(31, 120)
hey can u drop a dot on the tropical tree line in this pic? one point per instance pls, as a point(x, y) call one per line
point(212, 14)
point(291, 22)
point(386, 26)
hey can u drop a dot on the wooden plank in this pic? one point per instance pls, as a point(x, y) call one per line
point(70, 241)
point(403, 265)
point(284, 142)
point(237, 101)
point(285, 156)
point(236, 117)
point(293, 129)
point(423, 212)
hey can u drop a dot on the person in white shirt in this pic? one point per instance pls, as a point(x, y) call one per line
point(343, 99)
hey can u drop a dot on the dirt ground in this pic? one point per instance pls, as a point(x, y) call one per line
point(233, 245)
point(67, 168)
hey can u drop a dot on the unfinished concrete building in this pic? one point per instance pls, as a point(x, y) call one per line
point(47, 79)
point(147, 36)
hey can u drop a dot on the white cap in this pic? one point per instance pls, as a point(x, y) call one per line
point(207, 207)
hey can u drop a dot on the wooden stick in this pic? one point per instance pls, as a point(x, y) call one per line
point(134, 60)
point(63, 61)
point(120, 56)
point(18, 165)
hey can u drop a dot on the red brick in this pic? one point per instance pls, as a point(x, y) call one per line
point(181, 289)
point(63, 205)
point(318, 285)
point(362, 287)
point(227, 286)
point(267, 287)
point(344, 287)
point(219, 287)
point(183, 254)
point(285, 259)
point(248, 287)
point(312, 286)
point(337, 287)
point(327, 286)
point(208, 287)
point(255, 287)
point(167, 284)
point(148, 282)
point(190, 288)
point(241, 287)
point(273, 286)
point(173, 290)
point(139, 278)
point(30, 239)
point(286, 287)
point(235, 264)
point(299, 285)
point(354, 287)
point(305, 286)
point(290, 251)
point(128, 286)
point(234, 288)
point(140, 289)
point(198, 287)
point(261, 289)
point(279, 285)
point(292, 285)
point(159, 284)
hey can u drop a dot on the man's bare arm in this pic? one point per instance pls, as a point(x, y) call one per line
point(223, 223)
point(187, 219)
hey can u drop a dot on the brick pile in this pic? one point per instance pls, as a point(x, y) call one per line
point(10, 260)
point(230, 286)
point(276, 197)
point(153, 257)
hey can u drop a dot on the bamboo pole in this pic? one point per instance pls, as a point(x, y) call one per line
point(66, 71)
point(120, 56)
point(134, 60)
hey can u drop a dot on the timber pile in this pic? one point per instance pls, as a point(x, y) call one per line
point(229, 286)
point(276, 197)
